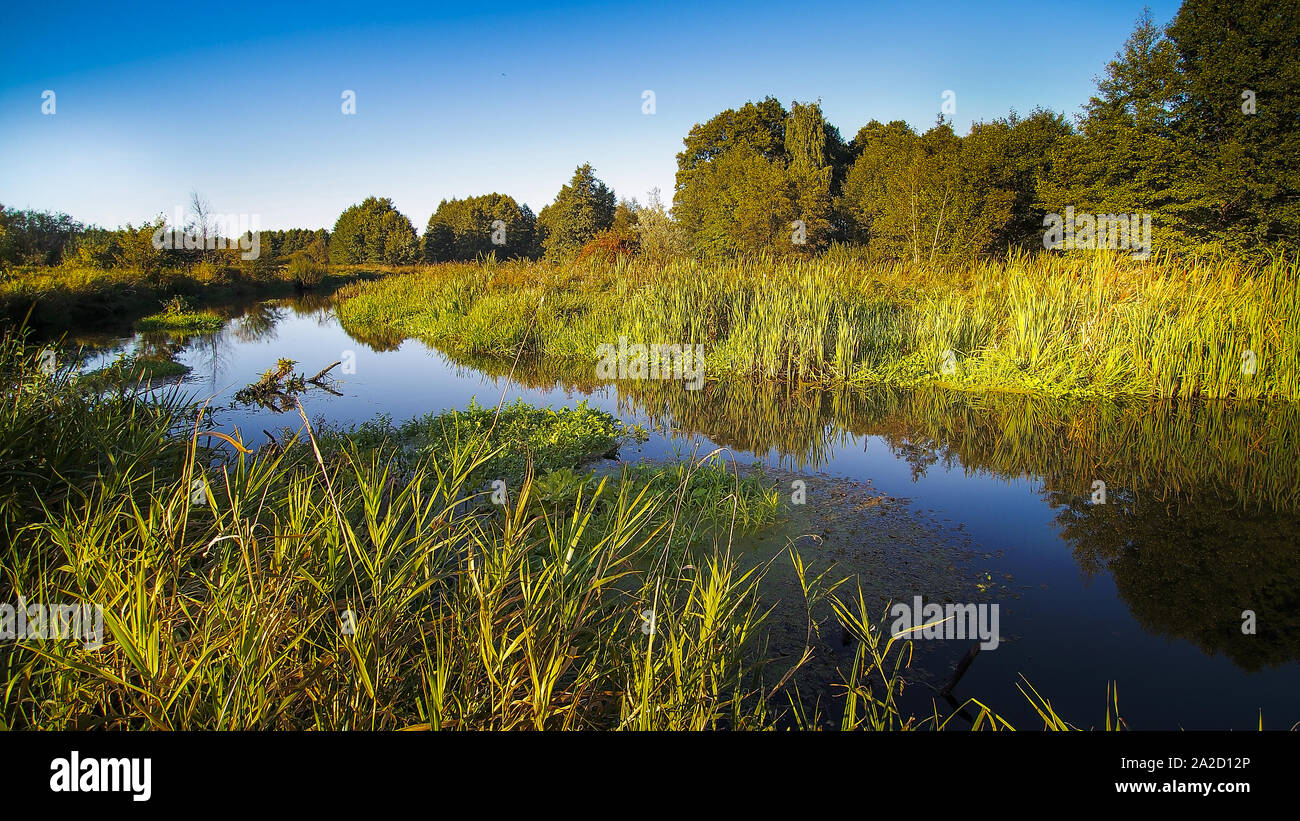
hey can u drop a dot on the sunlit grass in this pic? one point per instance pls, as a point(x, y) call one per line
point(1088, 324)
point(365, 579)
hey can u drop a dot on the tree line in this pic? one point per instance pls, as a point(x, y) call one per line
point(1196, 124)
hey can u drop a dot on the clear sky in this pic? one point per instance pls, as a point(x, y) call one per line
point(242, 101)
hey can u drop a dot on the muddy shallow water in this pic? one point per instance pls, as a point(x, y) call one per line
point(988, 499)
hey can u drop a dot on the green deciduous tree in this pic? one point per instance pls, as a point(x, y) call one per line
point(465, 229)
point(35, 237)
point(810, 174)
point(900, 195)
point(659, 237)
point(375, 232)
point(137, 249)
point(760, 179)
point(939, 196)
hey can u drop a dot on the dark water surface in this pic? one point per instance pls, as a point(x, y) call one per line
point(1146, 590)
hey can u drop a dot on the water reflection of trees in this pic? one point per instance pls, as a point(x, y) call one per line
point(248, 322)
point(1217, 454)
point(258, 323)
point(1189, 570)
point(1203, 499)
point(315, 304)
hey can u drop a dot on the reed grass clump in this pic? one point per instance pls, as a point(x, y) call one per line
point(351, 583)
point(1093, 324)
point(177, 316)
point(305, 271)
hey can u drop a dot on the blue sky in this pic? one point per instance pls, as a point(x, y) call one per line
point(242, 101)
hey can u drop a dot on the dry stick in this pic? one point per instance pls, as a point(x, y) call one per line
point(317, 377)
point(959, 710)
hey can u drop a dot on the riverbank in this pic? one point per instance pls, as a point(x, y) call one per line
point(65, 298)
point(1089, 325)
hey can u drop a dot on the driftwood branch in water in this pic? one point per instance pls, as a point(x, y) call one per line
point(318, 376)
point(962, 666)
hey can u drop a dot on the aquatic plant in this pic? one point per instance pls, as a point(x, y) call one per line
point(1094, 324)
point(178, 317)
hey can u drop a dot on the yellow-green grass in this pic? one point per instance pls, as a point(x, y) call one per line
point(1081, 325)
point(360, 579)
point(72, 296)
point(185, 322)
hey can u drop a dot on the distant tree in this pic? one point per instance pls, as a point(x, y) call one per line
point(400, 246)
point(759, 127)
point(280, 245)
point(626, 214)
point(900, 193)
point(1001, 164)
point(138, 252)
point(862, 203)
point(760, 178)
point(810, 174)
point(620, 239)
point(202, 224)
point(582, 209)
point(373, 231)
point(659, 238)
point(739, 201)
point(94, 248)
point(35, 237)
point(439, 240)
point(477, 226)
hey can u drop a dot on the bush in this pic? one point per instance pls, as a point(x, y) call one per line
point(305, 270)
point(609, 245)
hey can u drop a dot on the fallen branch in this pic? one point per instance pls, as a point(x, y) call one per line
point(317, 377)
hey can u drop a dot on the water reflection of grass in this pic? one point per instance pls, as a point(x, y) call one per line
point(131, 370)
point(52, 299)
point(1240, 454)
point(1203, 498)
